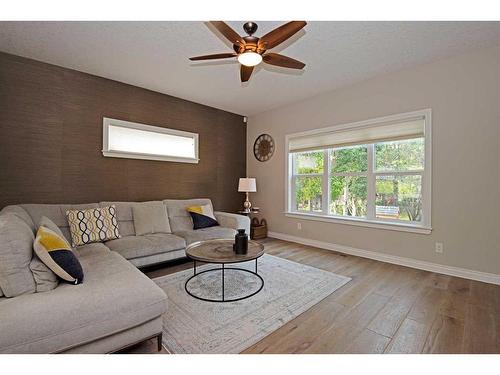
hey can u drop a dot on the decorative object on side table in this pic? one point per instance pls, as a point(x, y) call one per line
point(258, 230)
point(247, 185)
point(240, 245)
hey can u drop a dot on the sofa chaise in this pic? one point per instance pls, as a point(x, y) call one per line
point(117, 305)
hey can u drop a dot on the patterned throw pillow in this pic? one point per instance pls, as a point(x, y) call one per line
point(203, 216)
point(54, 251)
point(93, 225)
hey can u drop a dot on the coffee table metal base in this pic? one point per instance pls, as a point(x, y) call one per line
point(223, 269)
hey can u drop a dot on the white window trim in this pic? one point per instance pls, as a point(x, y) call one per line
point(106, 122)
point(424, 227)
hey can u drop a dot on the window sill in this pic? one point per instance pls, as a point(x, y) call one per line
point(361, 222)
point(133, 155)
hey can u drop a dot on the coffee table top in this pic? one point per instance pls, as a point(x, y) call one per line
point(221, 251)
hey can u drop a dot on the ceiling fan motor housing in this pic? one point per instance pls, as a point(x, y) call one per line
point(251, 44)
point(250, 28)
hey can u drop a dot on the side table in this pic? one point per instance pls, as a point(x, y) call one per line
point(258, 230)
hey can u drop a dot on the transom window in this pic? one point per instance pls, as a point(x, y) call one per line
point(377, 171)
point(124, 139)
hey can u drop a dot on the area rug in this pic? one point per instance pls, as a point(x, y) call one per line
point(194, 326)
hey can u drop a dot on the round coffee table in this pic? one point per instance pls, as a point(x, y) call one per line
point(220, 251)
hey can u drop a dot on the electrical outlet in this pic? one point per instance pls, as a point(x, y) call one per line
point(439, 247)
point(299, 226)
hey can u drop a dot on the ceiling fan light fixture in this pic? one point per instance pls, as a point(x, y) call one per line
point(250, 58)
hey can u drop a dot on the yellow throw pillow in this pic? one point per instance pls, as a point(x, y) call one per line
point(56, 253)
point(203, 216)
point(202, 210)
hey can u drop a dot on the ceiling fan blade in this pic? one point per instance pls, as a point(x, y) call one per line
point(280, 34)
point(214, 56)
point(284, 61)
point(227, 31)
point(246, 72)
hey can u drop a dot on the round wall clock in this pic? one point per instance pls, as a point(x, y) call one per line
point(263, 148)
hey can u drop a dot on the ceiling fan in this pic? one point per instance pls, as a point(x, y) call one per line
point(251, 51)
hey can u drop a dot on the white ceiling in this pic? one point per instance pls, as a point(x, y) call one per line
point(154, 55)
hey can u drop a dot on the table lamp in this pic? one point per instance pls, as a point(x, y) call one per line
point(247, 185)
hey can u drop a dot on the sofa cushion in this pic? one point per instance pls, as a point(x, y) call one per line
point(56, 213)
point(150, 217)
point(93, 225)
point(45, 279)
point(206, 234)
point(91, 249)
point(22, 213)
point(179, 218)
point(114, 297)
point(234, 221)
point(120, 340)
point(158, 258)
point(16, 251)
point(140, 246)
point(124, 216)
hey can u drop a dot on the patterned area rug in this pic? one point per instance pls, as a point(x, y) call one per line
point(194, 326)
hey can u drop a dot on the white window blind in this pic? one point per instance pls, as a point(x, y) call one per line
point(138, 141)
point(392, 131)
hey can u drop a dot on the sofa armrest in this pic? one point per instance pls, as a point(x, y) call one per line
point(234, 221)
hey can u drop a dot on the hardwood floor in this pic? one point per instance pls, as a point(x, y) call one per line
point(384, 309)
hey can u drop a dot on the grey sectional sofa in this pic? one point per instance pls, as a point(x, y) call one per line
point(116, 305)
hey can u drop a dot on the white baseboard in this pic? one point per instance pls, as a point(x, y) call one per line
point(408, 262)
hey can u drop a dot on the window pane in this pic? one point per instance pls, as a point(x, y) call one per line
point(308, 194)
point(350, 159)
point(399, 197)
point(309, 162)
point(135, 141)
point(348, 196)
point(404, 155)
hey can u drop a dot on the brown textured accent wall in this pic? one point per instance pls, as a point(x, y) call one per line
point(51, 141)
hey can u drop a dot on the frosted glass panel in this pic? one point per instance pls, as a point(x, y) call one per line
point(124, 139)
point(151, 143)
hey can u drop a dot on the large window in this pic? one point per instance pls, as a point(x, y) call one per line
point(124, 139)
point(376, 173)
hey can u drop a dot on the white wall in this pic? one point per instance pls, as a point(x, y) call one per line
point(464, 95)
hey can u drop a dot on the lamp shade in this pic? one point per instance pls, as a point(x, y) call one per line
point(247, 185)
